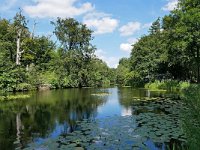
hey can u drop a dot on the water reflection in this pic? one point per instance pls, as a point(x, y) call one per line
point(49, 114)
point(127, 94)
point(45, 115)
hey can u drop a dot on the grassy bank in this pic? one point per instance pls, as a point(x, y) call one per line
point(169, 85)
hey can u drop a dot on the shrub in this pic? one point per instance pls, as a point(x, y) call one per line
point(24, 87)
point(170, 85)
point(191, 115)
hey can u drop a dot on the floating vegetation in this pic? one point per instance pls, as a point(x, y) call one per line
point(155, 124)
point(13, 97)
point(157, 90)
point(145, 99)
point(101, 94)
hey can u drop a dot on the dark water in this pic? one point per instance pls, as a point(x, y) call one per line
point(52, 114)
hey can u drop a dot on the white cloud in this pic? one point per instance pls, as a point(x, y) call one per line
point(112, 62)
point(7, 4)
point(171, 5)
point(101, 23)
point(130, 28)
point(132, 40)
point(57, 8)
point(147, 25)
point(127, 47)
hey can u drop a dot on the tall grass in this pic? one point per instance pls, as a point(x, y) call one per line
point(169, 85)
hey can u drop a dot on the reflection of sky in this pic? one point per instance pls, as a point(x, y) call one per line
point(58, 130)
point(111, 107)
point(126, 111)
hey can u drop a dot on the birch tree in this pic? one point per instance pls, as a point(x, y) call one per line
point(20, 27)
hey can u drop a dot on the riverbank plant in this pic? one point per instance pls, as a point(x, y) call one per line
point(169, 85)
point(191, 122)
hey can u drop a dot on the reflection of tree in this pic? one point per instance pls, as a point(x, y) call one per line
point(126, 96)
point(78, 106)
point(42, 119)
point(10, 125)
point(38, 116)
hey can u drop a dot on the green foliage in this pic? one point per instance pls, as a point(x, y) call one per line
point(122, 71)
point(170, 85)
point(38, 51)
point(72, 34)
point(171, 50)
point(11, 78)
point(192, 116)
point(181, 28)
point(78, 66)
point(24, 87)
point(72, 64)
point(134, 79)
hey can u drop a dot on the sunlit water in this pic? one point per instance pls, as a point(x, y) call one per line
point(52, 114)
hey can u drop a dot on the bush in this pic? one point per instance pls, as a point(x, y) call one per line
point(134, 79)
point(24, 87)
point(170, 85)
point(12, 78)
point(106, 83)
point(183, 85)
point(49, 78)
point(191, 115)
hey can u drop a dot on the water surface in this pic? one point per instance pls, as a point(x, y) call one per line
point(53, 115)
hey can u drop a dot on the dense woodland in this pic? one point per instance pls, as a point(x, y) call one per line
point(169, 51)
point(28, 61)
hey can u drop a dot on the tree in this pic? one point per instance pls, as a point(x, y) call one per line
point(123, 69)
point(77, 51)
point(20, 27)
point(182, 29)
point(155, 27)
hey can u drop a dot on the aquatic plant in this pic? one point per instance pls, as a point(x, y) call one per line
point(154, 123)
point(101, 94)
point(13, 97)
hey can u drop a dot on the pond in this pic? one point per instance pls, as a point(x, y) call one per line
point(92, 118)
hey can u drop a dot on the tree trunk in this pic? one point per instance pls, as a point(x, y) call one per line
point(198, 79)
point(19, 52)
point(18, 49)
point(198, 69)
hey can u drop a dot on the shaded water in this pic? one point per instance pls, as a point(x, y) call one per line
point(49, 118)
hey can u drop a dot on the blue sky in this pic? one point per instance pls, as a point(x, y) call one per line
point(117, 24)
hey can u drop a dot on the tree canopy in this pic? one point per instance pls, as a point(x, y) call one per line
point(29, 61)
point(171, 49)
